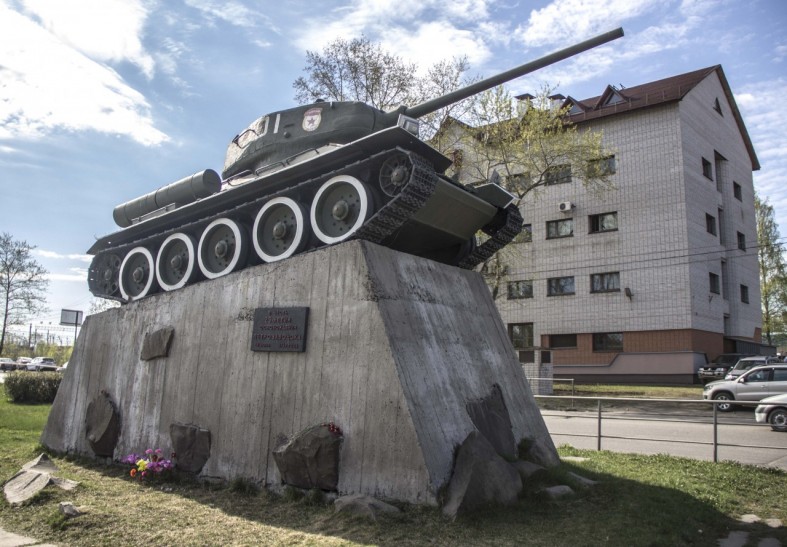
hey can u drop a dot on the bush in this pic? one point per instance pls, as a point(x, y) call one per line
point(32, 387)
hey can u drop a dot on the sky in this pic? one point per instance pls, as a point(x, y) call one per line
point(102, 101)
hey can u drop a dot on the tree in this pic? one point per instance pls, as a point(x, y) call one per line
point(525, 145)
point(22, 283)
point(773, 270)
point(361, 70)
point(356, 70)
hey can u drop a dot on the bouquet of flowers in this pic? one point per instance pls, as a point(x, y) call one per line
point(150, 464)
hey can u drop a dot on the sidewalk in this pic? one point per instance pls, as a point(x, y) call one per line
point(7, 539)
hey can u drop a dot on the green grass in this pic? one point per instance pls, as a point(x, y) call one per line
point(641, 500)
point(611, 390)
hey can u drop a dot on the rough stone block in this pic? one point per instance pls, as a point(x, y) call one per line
point(364, 506)
point(481, 478)
point(311, 458)
point(490, 415)
point(191, 445)
point(156, 344)
point(102, 425)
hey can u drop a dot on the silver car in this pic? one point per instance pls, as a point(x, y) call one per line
point(747, 363)
point(753, 385)
point(773, 410)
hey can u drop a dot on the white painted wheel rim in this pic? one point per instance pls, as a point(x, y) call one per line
point(189, 272)
point(236, 231)
point(364, 208)
point(299, 230)
point(131, 256)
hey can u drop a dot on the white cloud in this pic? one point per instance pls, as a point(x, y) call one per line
point(58, 256)
point(432, 42)
point(47, 85)
point(567, 21)
point(103, 30)
point(232, 12)
point(420, 31)
point(72, 277)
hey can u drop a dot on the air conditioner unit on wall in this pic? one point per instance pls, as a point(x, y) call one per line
point(566, 206)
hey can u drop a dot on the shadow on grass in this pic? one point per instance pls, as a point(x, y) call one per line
point(620, 510)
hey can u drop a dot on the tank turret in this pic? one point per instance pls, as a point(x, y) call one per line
point(305, 177)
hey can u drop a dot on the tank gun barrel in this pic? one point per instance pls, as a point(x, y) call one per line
point(432, 105)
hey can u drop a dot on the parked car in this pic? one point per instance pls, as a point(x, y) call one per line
point(753, 385)
point(63, 367)
point(747, 363)
point(23, 361)
point(42, 364)
point(7, 364)
point(718, 368)
point(773, 410)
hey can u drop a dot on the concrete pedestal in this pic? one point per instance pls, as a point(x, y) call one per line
point(396, 347)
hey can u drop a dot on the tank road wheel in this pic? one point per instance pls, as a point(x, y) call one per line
point(137, 277)
point(223, 248)
point(104, 275)
point(394, 174)
point(176, 263)
point(279, 230)
point(341, 206)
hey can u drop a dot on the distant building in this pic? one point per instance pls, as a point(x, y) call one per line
point(645, 281)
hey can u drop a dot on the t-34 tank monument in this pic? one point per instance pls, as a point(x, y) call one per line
point(303, 321)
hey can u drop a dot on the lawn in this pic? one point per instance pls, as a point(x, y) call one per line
point(641, 500)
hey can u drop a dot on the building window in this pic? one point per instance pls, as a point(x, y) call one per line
point(710, 224)
point(603, 166)
point(715, 285)
point(526, 235)
point(605, 282)
point(560, 228)
point(717, 106)
point(604, 222)
point(736, 191)
point(562, 341)
point(744, 294)
point(520, 289)
point(741, 241)
point(558, 286)
point(558, 174)
point(521, 335)
point(707, 169)
point(608, 341)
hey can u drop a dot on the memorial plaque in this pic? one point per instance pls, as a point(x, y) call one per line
point(279, 329)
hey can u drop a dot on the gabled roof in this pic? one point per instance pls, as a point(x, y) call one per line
point(617, 101)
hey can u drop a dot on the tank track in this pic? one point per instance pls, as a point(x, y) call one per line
point(501, 234)
point(392, 216)
point(383, 223)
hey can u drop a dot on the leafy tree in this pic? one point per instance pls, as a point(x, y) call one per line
point(773, 270)
point(361, 70)
point(22, 283)
point(525, 146)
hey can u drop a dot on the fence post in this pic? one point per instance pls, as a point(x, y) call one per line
point(715, 434)
point(598, 442)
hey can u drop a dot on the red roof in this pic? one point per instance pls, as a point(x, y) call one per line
point(617, 101)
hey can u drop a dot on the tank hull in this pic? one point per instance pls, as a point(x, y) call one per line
point(397, 197)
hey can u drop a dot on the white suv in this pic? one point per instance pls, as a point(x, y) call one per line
point(753, 385)
point(42, 364)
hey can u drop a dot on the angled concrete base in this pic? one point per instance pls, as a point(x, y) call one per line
point(396, 347)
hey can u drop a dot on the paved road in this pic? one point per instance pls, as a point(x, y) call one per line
point(685, 433)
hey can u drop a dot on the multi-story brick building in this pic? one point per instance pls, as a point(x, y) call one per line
point(649, 279)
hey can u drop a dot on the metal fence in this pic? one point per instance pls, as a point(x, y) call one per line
point(601, 417)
